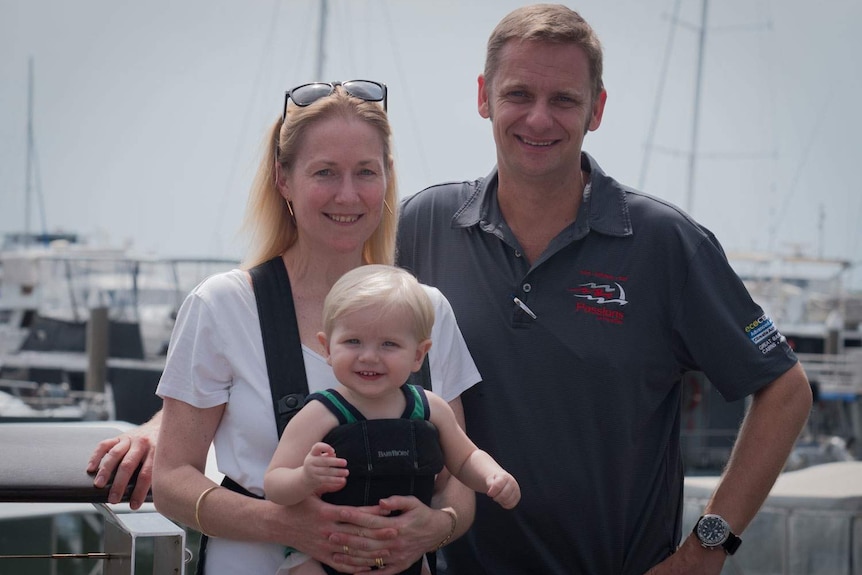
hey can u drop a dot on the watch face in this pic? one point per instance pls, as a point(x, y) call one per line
point(712, 530)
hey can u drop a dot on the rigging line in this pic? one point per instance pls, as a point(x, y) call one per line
point(320, 63)
point(659, 96)
point(764, 14)
point(695, 127)
point(749, 27)
point(96, 555)
point(806, 153)
point(298, 47)
point(304, 47)
point(407, 98)
point(736, 156)
point(241, 140)
point(346, 23)
point(858, 243)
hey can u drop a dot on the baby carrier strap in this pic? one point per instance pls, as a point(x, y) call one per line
point(345, 412)
point(419, 408)
point(282, 347)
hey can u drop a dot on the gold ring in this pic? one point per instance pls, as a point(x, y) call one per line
point(346, 550)
point(379, 563)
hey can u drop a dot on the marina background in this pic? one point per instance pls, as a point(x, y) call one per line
point(148, 117)
point(147, 124)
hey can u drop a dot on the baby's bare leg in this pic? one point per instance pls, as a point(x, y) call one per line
point(310, 567)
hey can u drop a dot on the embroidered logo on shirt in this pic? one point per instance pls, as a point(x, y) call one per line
point(600, 299)
point(764, 334)
point(601, 294)
point(393, 453)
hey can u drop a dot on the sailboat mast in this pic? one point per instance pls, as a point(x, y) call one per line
point(321, 43)
point(695, 124)
point(28, 189)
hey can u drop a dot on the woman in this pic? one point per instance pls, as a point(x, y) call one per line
point(322, 201)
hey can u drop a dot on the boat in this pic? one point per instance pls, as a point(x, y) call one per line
point(821, 320)
point(85, 324)
point(51, 297)
point(806, 296)
point(19, 302)
point(26, 401)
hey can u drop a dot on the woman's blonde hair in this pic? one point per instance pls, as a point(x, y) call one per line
point(384, 288)
point(268, 223)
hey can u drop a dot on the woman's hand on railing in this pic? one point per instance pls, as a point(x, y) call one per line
point(127, 458)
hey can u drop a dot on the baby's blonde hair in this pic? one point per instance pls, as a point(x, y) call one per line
point(385, 288)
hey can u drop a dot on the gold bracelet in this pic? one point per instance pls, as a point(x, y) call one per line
point(198, 507)
point(454, 516)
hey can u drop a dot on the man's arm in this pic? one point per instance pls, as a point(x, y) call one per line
point(774, 420)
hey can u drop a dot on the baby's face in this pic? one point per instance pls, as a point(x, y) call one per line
point(372, 354)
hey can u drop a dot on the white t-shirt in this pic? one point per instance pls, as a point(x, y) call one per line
point(216, 357)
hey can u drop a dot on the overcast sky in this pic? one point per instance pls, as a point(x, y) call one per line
point(149, 115)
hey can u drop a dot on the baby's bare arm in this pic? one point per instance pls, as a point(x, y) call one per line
point(473, 467)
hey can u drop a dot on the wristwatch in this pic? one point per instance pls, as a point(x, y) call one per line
point(713, 531)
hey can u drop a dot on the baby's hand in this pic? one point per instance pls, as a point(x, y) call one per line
point(503, 489)
point(323, 470)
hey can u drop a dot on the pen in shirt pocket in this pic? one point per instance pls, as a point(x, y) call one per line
point(524, 307)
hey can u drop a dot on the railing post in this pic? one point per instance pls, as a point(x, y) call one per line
point(124, 534)
point(97, 350)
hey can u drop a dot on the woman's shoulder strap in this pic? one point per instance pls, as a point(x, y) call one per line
point(282, 347)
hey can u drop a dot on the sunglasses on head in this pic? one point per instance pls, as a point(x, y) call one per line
point(307, 94)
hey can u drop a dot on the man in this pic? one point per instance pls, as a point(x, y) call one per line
point(583, 302)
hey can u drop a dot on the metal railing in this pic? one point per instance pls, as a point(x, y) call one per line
point(837, 376)
point(49, 460)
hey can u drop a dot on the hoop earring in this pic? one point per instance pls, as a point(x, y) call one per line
point(388, 209)
point(289, 208)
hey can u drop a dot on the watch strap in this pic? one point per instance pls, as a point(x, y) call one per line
point(732, 544)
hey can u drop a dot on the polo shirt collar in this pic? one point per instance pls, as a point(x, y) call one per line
point(604, 208)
